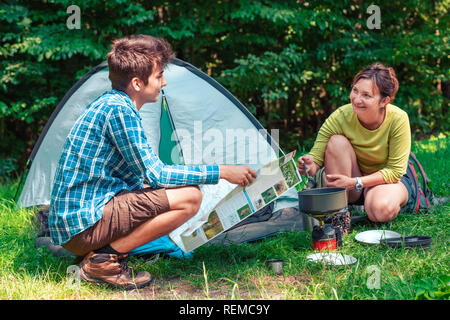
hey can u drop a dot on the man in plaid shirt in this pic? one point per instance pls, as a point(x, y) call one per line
point(111, 192)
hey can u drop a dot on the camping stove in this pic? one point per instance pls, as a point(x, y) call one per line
point(324, 239)
point(323, 203)
point(324, 236)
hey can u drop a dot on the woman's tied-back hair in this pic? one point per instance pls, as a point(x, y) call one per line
point(383, 77)
point(136, 56)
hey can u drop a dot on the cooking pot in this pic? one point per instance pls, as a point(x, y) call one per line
point(322, 201)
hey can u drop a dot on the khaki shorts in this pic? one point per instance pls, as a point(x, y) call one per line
point(121, 215)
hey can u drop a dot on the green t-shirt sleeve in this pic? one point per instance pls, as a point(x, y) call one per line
point(329, 128)
point(399, 149)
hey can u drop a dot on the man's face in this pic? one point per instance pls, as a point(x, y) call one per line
point(156, 82)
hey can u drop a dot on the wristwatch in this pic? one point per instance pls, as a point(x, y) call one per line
point(359, 186)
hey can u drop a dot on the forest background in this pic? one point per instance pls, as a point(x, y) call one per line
point(290, 63)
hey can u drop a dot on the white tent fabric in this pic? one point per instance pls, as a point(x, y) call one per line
point(37, 188)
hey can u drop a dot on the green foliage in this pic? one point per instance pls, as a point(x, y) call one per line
point(290, 62)
point(7, 167)
point(433, 154)
point(317, 47)
point(434, 289)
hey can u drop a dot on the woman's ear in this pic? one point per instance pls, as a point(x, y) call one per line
point(385, 101)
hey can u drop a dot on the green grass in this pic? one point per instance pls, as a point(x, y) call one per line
point(239, 271)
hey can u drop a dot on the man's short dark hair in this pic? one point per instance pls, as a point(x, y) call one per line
point(136, 56)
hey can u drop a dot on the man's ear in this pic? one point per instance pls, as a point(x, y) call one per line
point(136, 84)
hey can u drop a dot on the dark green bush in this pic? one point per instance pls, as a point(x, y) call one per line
point(290, 62)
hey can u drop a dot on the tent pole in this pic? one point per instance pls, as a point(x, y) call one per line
point(172, 124)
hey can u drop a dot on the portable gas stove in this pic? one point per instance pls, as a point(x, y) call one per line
point(321, 204)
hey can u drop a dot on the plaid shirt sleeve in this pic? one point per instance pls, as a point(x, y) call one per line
point(127, 134)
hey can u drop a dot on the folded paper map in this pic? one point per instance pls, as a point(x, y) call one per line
point(273, 180)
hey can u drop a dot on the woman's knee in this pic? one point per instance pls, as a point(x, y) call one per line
point(381, 210)
point(337, 144)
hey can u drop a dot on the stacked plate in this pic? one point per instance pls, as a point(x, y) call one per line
point(409, 242)
point(386, 237)
point(393, 239)
point(376, 236)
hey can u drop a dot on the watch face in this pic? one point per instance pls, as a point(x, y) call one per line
point(358, 185)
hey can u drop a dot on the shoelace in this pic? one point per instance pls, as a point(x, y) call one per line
point(123, 266)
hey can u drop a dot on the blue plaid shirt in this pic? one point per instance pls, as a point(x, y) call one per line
point(107, 152)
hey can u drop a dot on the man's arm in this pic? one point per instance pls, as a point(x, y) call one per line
point(128, 136)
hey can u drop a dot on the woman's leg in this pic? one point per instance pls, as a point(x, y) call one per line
point(340, 158)
point(383, 202)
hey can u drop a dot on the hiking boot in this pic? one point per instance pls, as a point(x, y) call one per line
point(113, 270)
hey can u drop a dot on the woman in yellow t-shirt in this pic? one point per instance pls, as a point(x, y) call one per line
point(364, 146)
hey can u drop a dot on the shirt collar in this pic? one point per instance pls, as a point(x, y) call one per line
point(127, 100)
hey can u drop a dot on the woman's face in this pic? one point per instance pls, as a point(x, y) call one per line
point(367, 103)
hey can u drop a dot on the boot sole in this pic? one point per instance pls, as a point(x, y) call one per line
point(86, 277)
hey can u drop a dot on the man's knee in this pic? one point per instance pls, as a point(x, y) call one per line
point(194, 201)
point(337, 144)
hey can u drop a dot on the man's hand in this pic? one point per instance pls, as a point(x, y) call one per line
point(311, 166)
point(241, 175)
point(340, 180)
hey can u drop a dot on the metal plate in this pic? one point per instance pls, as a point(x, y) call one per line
point(330, 258)
point(375, 236)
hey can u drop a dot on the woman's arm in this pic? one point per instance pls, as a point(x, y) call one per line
point(314, 160)
point(340, 180)
point(308, 161)
point(399, 149)
point(395, 168)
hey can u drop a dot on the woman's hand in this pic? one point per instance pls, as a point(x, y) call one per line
point(340, 180)
point(311, 166)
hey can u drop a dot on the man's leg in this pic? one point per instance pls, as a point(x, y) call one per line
point(141, 216)
point(184, 204)
point(383, 202)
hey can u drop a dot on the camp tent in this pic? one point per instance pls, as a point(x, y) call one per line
point(194, 121)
